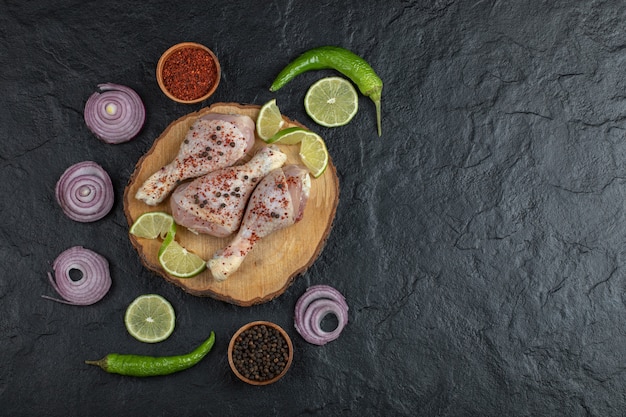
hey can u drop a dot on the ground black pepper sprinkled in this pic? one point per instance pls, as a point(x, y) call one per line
point(260, 353)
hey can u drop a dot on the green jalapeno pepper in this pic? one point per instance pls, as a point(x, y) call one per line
point(339, 59)
point(137, 365)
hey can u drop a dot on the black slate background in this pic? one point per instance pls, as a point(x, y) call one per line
point(479, 242)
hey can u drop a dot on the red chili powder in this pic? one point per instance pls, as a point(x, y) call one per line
point(189, 73)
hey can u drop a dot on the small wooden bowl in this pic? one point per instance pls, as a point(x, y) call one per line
point(232, 345)
point(168, 53)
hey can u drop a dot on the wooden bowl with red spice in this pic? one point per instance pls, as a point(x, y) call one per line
point(188, 72)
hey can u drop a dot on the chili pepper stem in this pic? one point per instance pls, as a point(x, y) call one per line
point(376, 98)
point(101, 363)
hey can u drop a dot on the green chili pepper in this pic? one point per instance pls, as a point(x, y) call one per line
point(136, 365)
point(339, 59)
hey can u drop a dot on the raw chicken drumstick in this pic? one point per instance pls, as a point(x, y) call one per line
point(214, 141)
point(277, 202)
point(215, 203)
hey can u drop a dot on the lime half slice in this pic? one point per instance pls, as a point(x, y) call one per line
point(152, 225)
point(269, 120)
point(314, 154)
point(178, 261)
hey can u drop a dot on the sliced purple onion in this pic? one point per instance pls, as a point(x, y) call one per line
point(316, 303)
point(85, 192)
point(92, 285)
point(115, 114)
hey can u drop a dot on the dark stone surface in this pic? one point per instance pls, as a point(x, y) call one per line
point(479, 243)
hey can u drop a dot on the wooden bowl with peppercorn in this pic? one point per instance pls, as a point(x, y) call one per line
point(260, 353)
point(188, 72)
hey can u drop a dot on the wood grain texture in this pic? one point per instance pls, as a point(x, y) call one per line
point(273, 264)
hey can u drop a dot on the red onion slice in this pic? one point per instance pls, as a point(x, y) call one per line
point(85, 192)
point(115, 114)
point(93, 284)
point(311, 308)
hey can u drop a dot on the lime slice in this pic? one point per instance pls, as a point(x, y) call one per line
point(178, 261)
point(331, 101)
point(290, 136)
point(269, 120)
point(150, 318)
point(152, 225)
point(314, 154)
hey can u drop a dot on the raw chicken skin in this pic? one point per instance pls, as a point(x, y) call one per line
point(244, 123)
point(215, 203)
point(276, 203)
point(211, 143)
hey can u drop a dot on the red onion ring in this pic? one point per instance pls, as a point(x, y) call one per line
point(311, 308)
point(115, 114)
point(94, 283)
point(85, 192)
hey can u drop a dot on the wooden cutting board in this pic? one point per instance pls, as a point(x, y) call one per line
point(272, 265)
